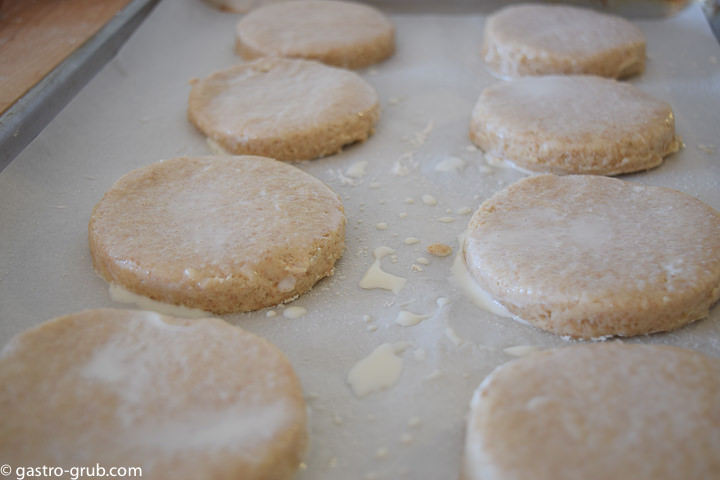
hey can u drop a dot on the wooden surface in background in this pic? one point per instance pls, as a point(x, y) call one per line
point(36, 35)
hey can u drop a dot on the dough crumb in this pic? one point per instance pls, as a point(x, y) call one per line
point(439, 249)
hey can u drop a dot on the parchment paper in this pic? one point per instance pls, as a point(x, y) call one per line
point(134, 113)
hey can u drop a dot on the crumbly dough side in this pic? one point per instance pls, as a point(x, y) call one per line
point(575, 124)
point(338, 33)
point(181, 399)
point(597, 411)
point(525, 40)
point(222, 234)
point(289, 110)
point(589, 256)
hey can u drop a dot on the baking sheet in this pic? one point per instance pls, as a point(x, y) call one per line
point(134, 113)
point(30, 113)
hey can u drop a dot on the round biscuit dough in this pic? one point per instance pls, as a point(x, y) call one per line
point(573, 124)
point(597, 411)
point(221, 234)
point(176, 398)
point(535, 39)
point(290, 110)
point(588, 256)
point(343, 34)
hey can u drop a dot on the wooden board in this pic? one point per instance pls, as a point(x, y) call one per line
point(37, 35)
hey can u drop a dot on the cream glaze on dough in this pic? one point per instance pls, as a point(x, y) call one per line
point(535, 39)
point(290, 110)
point(180, 399)
point(339, 33)
point(579, 124)
point(588, 256)
point(221, 234)
point(597, 411)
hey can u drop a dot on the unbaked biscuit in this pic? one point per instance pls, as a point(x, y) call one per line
point(597, 411)
point(343, 34)
point(573, 124)
point(589, 256)
point(290, 110)
point(536, 39)
point(220, 234)
point(174, 398)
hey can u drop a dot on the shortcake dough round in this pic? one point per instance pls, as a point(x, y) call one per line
point(535, 39)
point(171, 398)
point(597, 411)
point(573, 124)
point(344, 34)
point(589, 256)
point(221, 234)
point(290, 110)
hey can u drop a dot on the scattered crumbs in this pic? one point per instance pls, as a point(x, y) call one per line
point(471, 148)
point(411, 241)
point(402, 214)
point(448, 210)
point(382, 226)
point(60, 207)
point(294, 312)
point(404, 165)
point(434, 374)
point(381, 453)
point(409, 201)
point(338, 420)
point(416, 268)
point(707, 148)
point(453, 336)
point(375, 185)
point(450, 164)
point(396, 100)
point(393, 258)
point(406, 438)
point(422, 261)
point(357, 170)
point(332, 463)
point(421, 137)
point(464, 210)
point(414, 422)
point(420, 354)
point(429, 200)
point(522, 350)
point(367, 318)
point(270, 313)
point(439, 249)
point(446, 219)
point(371, 328)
